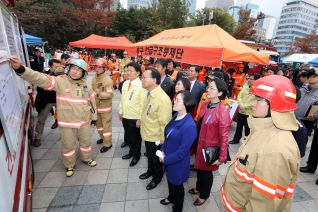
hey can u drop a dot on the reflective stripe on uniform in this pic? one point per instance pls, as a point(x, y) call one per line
point(243, 174)
point(72, 124)
point(109, 91)
point(271, 190)
point(69, 154)
point(86, 149)
point(100, 129)
point(106, 134)
point(92, 96)
point(52, 84)
point(105, 109)
point(227, 202)
point(60, 98)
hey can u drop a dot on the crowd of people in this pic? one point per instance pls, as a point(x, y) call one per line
point(179, 114)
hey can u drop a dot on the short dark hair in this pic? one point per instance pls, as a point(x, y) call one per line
point(177, 64)
point(136, 66)
point(256, 76)
point(304, 74)
point(188, 100)
point(169, 60)
point(162, 62)
point(196, 68)
point(273, 70)
point(53, 61)
point(186, 83)
point(155, 75)
point(221, 86)
point(65, 56)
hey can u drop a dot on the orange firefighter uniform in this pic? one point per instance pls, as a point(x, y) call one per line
point(240, 79)
point(104, 107)
point(114, 69)
point(202, 75)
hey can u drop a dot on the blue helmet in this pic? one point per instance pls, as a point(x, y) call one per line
point(80, 63)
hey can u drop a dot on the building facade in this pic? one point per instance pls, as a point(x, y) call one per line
point(233, 11)
point(137, 3)
point(224, 4)
point(254, 9)
point(298, 19)
point(192, 6)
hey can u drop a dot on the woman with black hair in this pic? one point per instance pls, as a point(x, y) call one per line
point(213, 129)
point(180, 134)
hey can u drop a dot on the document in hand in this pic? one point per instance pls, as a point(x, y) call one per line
point(311, 110)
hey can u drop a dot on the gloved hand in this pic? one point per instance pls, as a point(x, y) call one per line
point(59, 70)
point(93, 123)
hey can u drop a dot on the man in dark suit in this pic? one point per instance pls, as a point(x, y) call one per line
point(166, 84)
point(197, 88)
point(37, 61)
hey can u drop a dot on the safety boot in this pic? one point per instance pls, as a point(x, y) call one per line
point(69, 172)
point(55, 125)
point(37, 142)
point(90, 163)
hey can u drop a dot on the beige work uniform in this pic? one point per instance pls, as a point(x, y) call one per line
point(75, 102)
point(104, 107)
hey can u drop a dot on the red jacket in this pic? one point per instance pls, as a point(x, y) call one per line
point(214, 131)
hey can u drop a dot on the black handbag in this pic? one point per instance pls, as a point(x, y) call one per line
point(212, 153)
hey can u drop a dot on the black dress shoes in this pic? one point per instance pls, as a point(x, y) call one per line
point(163, 202)
point(105, 149)
point(306, 170)
point(133, 162)
point(198, 203)
point(145, 176)
point(54, 126)
point(100, 141)
point(317, 182)
point(145, 154)
point(234, 142)
point(123, 144)
point(151, 185)
point(125, 157)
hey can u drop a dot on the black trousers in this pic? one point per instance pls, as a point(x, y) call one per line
point(241, 122)
point(154, 165)
point(176, 196)
point(204, 183)
point(132, 137)
point(313, 155)
point(309, 125)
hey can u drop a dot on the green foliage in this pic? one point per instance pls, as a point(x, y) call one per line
point(221, 17)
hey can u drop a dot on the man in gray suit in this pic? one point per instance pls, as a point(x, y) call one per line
point(166, 84)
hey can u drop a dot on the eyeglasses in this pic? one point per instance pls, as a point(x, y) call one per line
point(210, 88)
point(76, 69)
point(145, 77)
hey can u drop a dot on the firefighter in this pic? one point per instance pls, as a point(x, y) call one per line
point(75, 102)
point(146, 64)
point(240, 79)
point(103, 87)
point(123, 63)
point(264, 172)
point(113, 66)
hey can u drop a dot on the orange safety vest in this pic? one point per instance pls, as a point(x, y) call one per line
point(112, 66)
point(201, 75)
point(174, 75)
point(239, 80)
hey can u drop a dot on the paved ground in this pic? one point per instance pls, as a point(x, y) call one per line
point(112, 186)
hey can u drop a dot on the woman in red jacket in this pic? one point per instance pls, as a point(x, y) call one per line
point(213, 129)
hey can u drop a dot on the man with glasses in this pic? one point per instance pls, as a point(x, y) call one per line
point(155, 115)
point(75, 102)
point(103, 87)
point(244, 100)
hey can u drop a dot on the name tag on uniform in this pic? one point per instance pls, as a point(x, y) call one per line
point(148, 110)
point(131, 95)
point(207, 120)
point(78, 93)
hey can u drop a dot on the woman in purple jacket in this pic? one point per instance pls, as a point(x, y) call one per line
point(180, 134)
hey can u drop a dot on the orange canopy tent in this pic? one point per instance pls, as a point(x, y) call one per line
point(97, 41)
point(202, 45)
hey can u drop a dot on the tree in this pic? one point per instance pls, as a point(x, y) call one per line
point(244, 29)
point(221, 17)
point(306, 45)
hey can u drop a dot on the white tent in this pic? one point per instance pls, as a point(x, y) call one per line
point(302, 58)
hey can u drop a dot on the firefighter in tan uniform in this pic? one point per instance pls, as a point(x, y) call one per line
point(262, 177)
point(103, 87)
point(75, 102)
point(240, 79)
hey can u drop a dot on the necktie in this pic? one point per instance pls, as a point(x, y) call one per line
point(148, 94)
point(129, 86)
